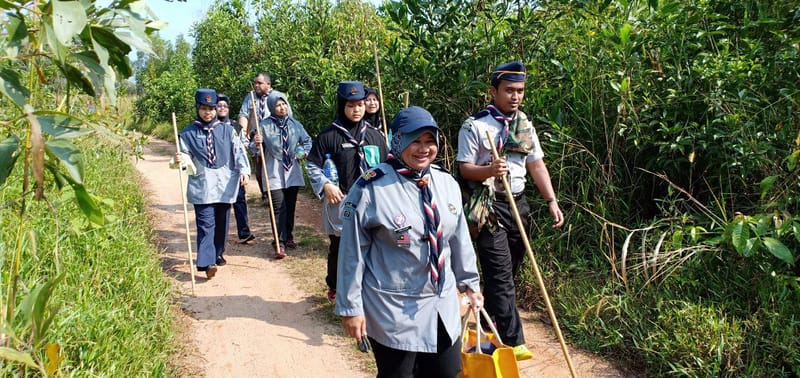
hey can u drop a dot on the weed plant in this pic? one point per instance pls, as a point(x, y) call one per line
point(112, 309)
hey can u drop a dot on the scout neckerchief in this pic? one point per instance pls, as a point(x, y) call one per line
point(283, 126)
point(359, 144)
point(262, 106)
point(209, 128)
point(433, 226)
point(509, 139)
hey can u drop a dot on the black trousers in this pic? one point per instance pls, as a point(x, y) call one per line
point(333, 259)
point(500, 253)
point(240, 213)
point(259, 172)
point(284, 202)
point(394, 363)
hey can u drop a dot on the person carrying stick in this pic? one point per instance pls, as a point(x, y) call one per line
point(216, 163)
point(285, 144)
point(354, 147)
point(499, 242)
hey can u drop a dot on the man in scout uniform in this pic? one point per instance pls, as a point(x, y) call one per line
point(499, 243)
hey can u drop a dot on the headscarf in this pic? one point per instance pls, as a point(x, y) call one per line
point(287, 158)
point(374, 119)
point(407, 126)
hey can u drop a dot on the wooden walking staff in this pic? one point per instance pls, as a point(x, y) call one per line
point(524, 235)
point(380, 93)
point(183, 199)
point(264, 174)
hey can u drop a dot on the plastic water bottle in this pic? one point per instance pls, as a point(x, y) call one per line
point(329, 170)
point(299, 152)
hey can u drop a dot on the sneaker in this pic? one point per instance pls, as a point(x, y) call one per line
point(221, 261)
point(211, 271)
point(332, 295)
point(247, 239)
point(290, 244)
point(280, 253)
point(521, 352)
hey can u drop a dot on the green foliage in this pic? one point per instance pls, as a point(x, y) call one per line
point(224, 54)
point(670, 128)
point(167, 86)
point(307, 48)
point(98, 292)
point(51, 49)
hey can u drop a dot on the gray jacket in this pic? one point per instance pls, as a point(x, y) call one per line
point(383, 261)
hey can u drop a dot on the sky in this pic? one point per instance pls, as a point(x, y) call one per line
point(180, 16)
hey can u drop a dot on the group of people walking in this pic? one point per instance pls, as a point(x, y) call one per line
point(401, 228)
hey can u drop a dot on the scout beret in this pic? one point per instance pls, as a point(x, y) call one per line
point(511, 71)
point(351, 90)
point(206, 97)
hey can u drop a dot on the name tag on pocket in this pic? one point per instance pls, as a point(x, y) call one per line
point(347, 145)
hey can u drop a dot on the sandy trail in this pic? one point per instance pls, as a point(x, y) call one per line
point(252, 321)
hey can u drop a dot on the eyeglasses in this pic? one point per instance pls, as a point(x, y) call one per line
point(222, 106)
point(261, 82)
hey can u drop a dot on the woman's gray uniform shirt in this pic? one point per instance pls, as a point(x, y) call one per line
point(383, 260)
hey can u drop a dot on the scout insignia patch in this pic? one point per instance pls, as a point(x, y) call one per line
point(369, 176)
point(208, 98)
point(467, 125)
point(452, 208)
point(399, 219)
point(348, 210)
point(353, 90)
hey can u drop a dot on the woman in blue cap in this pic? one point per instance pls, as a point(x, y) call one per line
point(217, 165)
point(354, 147)
point(282, 135)
point(405, 253)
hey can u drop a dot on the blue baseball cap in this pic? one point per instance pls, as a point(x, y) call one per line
point(409, 124)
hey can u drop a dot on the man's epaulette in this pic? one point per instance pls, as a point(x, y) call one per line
point(483, 113)
point(468, 124)
point(370, 176)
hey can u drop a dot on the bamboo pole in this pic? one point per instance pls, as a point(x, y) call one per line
point(524, 235)
point(183, 199)
point(265, 176)
point(380, 92)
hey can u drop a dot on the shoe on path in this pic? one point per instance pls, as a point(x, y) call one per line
point(221, 261)
point(211, 271)
point(290, 244)
point(247, 239)
point(521, 352)
point(332, 295)
point(280, 253)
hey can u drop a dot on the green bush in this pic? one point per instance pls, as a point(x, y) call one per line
point(112, 310)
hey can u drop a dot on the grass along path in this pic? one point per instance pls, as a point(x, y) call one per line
point(261, 317)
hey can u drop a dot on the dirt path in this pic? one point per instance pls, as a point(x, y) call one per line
point(254, 320)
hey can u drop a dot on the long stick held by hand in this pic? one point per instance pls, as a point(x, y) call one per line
point(380, 93)
point(524, 235)
point(183, 199)
point(264, 174)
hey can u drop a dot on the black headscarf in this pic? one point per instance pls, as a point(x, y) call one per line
point(374, 119)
